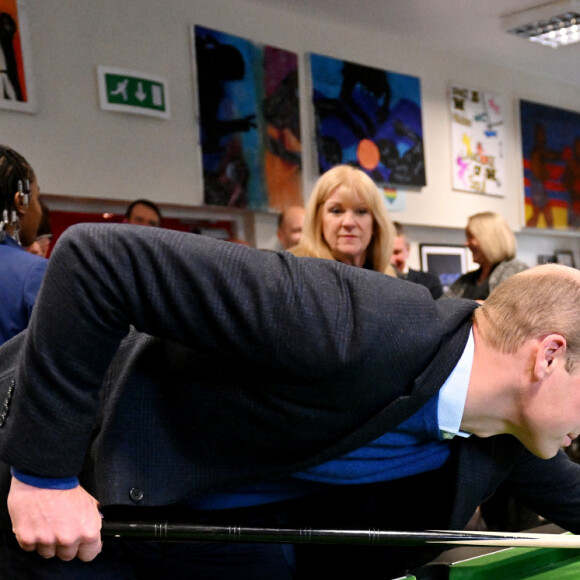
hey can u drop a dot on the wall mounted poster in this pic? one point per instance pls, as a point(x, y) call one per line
point(249, 122)
point(16, 83)
point(551, 159)
point(477, 138)
point(370, 118)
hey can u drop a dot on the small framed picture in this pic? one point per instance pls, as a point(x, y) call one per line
point(447, 262)
point(565, 257)
point(16, 79)
point(546, 259)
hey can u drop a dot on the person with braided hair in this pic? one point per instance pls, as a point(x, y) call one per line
point(21, 273)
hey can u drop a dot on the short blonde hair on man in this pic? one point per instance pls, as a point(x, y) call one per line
point(496, 239)
point(353, 182)
point(532, 304)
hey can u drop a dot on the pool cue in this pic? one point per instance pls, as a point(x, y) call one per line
point(169, 532)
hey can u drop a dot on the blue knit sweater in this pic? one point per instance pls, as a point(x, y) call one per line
point(414, 447)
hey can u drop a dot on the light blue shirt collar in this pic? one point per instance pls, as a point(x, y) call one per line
point(453, 394)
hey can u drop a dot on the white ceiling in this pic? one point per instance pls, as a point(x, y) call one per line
point(471, 28)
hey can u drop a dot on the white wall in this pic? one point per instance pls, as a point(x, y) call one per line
point(79, 150)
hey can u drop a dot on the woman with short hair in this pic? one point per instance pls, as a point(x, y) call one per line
point(493, 246)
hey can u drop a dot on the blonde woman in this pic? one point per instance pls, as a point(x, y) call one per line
point(346, 220)
point(493, 246)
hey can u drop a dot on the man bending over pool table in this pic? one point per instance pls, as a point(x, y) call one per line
point(175, 374)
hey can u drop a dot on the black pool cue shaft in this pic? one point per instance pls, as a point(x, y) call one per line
point(171, 532)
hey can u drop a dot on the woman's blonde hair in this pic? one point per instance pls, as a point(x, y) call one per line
point(496, 239)
point(354, 183)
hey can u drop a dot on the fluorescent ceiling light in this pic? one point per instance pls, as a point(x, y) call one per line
point(553, 24)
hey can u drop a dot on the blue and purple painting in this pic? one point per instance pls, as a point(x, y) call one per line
point(370, 118)
point(249, 122)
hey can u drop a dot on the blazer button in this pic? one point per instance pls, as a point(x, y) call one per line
point(136, 494)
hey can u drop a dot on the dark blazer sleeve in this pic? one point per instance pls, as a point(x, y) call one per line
point(303, 318)
point(550, 487)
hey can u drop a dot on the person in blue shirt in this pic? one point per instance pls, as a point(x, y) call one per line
point(21, 272)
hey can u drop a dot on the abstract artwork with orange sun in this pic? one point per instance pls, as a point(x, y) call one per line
point(370, 118)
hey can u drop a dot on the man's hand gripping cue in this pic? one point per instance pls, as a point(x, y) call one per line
point(63, 523)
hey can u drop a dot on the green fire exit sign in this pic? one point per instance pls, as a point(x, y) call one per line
point(128, 91)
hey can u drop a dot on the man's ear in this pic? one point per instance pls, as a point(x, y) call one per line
point(551, 349)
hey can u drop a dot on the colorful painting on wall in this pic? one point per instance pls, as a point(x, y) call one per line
point(477, 139)
point(16, 83)
point(249, 122)
point(370, 118)
point(551, 159)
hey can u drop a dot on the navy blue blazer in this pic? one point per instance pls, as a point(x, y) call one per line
point(177, 365)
